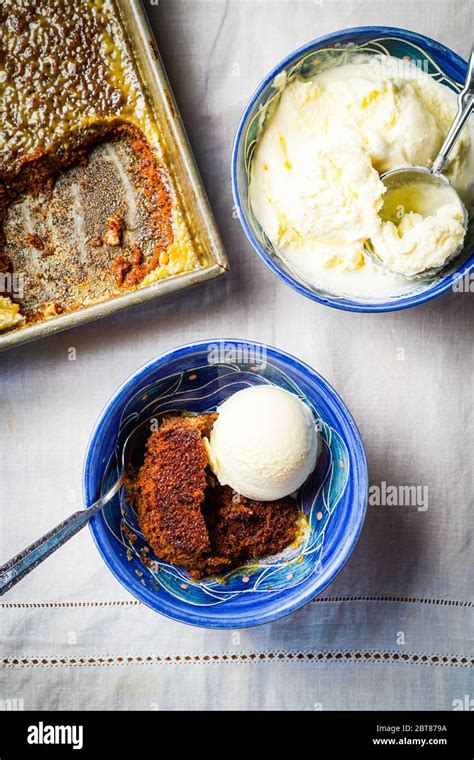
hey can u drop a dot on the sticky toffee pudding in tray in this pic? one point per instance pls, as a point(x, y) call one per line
point(100, 200)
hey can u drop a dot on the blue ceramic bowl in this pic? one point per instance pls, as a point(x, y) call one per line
point(198, 377)
point(436, 59)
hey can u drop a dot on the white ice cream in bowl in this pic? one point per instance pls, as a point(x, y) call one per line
point(314, 167)
point(264, 443)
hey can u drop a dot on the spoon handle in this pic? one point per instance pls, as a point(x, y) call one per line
point(26, 561)
point(465, 107)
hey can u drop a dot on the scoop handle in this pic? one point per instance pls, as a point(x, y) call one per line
point(465, 107)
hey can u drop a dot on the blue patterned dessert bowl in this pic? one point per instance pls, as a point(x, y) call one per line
point(197, 378)
point(284, 202)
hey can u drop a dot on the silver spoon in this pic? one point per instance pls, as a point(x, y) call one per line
point(26, 561)
point(396, 178)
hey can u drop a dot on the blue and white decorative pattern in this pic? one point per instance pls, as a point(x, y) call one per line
point(333, 50)
point(333, 499)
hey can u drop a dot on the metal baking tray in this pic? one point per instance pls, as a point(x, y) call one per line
point(181, 165)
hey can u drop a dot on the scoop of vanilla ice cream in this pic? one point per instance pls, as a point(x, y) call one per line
point(420, 243)
point(264, 443)
point(422, 226)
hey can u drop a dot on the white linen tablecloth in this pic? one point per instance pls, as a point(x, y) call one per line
point(395, 629)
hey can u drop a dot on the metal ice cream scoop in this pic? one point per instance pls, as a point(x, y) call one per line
point(395, 179)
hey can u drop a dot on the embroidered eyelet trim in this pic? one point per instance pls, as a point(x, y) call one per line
point(317, 600)
point(361, 656)
point(402, 599)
